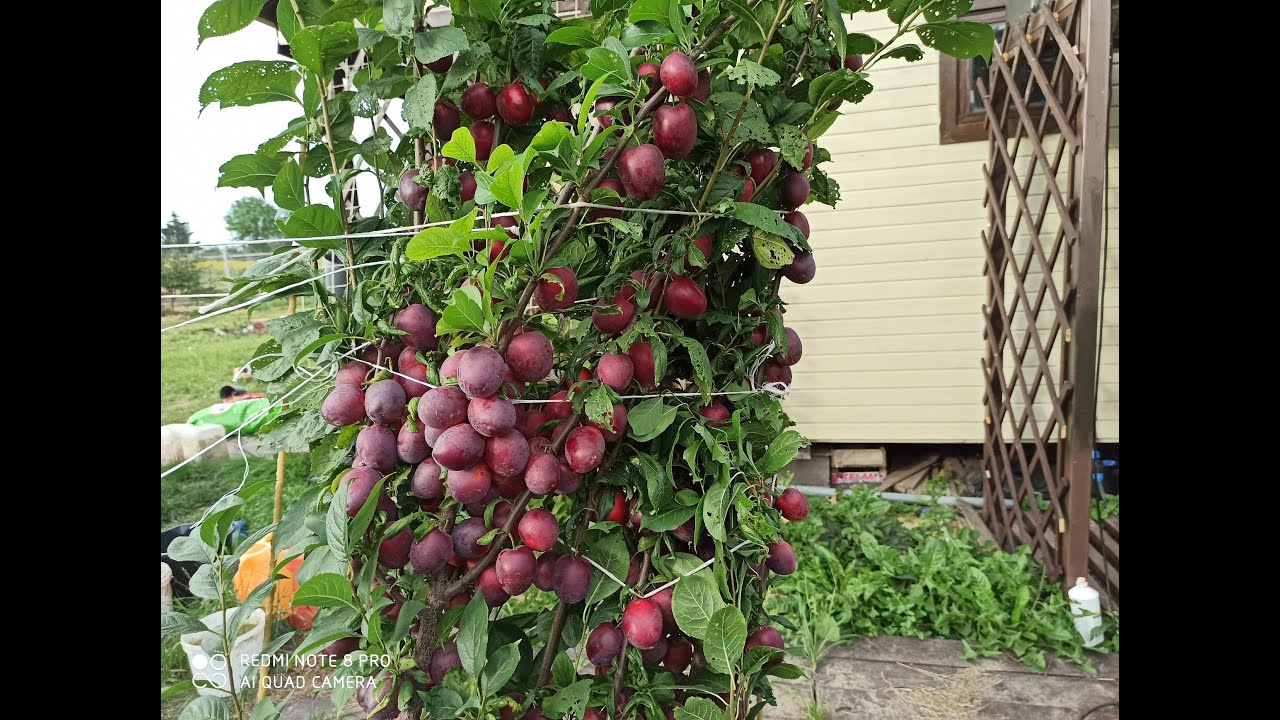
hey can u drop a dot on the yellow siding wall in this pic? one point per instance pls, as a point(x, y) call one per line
point(892, 324)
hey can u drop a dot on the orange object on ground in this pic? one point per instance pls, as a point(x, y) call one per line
point(254, 568)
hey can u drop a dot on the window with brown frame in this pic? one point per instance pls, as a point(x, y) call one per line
point(963, 119)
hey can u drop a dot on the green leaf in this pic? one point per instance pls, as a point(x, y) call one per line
point(761, 217)
point(668, 519)
point(190, 548)
point(752, 73)
point(287, 188)
point(206, 708)
point(781, 451)
point(843, 84)
point(465, 66)
point(562, 670)
point(770, 250)
point(498, 156)
point(204, 583)
point(701, 366)
point(473, 635)
point(461, 146)
point(695, 601)
point(228, 16)
point(715, 507)
point(408, 614)
point(836, 24)
point(570, 700)
point(959, 38)
point(508, 186)
point(648, 419)
point(603, 62)
point(436, 242)
point(946, 9)
point(320, 48)
point(608, 552)
point(175, 623)
point(325, 590)
point(499, 668)
point(753, 126)
point(787, 671)
point(335, 523)
point(652, 10)
point(436, 43)
point(252, 82)
point(397, 17)
point(657, 483)
point(698, 708)
point(463, 313)
point(793, 145)
point(255, 171)
point(550, 135)
point(599, 407)
point(420, 105)
point(900, 9)
point(488, 9)
point(266, 709)
point(573, 36)
point(909, 52)
point(313, 221)
point(726, 636)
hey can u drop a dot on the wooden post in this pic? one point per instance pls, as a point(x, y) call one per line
point(1085, 269)
point(276, 511)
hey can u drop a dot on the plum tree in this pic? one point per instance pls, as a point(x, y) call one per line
point(481, 267)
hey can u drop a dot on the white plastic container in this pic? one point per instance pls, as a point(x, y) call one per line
point(1086, 609)
point(215, 670)
point(166, 589)
point(180, 441)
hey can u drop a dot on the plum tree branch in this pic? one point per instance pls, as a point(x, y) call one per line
point(649, 106)
point(517, 511)
point(621, 671)
point(562, 612)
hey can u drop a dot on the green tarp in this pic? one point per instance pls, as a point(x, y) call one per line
point(232, 415)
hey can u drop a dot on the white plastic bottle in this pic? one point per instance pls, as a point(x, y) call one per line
point(1086, 608)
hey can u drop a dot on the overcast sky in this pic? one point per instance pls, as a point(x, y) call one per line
point(193, 146)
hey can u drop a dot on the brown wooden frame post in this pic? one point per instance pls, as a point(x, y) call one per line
point(1086, 271)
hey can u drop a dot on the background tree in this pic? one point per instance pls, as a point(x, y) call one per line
point(178, 271)
point(252, 218)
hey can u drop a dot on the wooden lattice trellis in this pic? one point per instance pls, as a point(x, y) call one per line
point(1045, 101)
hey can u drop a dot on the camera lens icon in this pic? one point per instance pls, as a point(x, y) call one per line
point(211, 668)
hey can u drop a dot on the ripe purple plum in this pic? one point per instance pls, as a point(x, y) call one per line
point(615, 370)
point(491, 415)
point(584, 449)
point(394, 551)
point(684, 298)
point(479, 102)
point(515, 104)
point(799, 221)
point(360, 482)
point(557, 295)
point(612, 323)
point(572, 579)
point(538, 529)
point(481, 372)
point(642, 170)
point(445, 117)
point(542, 473)
point(417, 320)
point(604, 644)
point(344, 406)
point(544, 577)
point(795, 190)
point(793, 505)
point(411, 447)
point(413, 195)
point(482, 133)
point(762, 162)
point(569, 481)
point(507, 453)
point(384, 402)
point(679, 655)
point(678, 74)
point(465, 535)
point(431, 552)
point(426, 483)
point(458, 448)
point(642, 623)
point(353, 373)
point(516, 568)
point(675, 130)
point(376, 447)
point(641, 354)
point(781, 559)
point(801, 270)
point(530, 356)
point(470, 485)
point(444, 660)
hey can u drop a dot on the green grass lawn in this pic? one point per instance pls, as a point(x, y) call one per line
point(198, 359)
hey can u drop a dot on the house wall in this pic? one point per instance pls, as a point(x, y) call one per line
point(892, 324)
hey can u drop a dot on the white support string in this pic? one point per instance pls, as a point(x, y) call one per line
point(678, 578)
point(259, 298)
point(414, 229)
